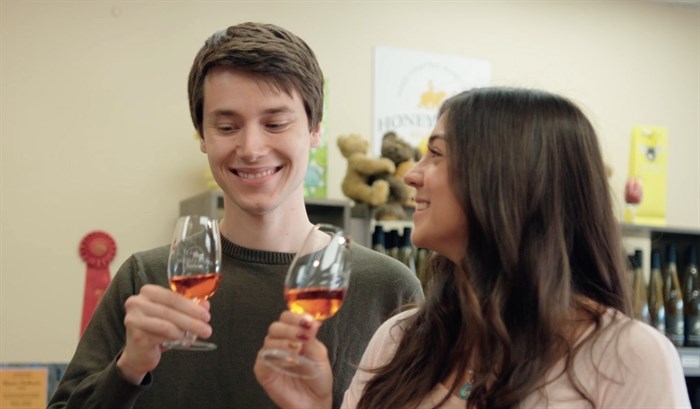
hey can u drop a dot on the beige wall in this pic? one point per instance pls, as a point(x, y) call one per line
point(96, 131)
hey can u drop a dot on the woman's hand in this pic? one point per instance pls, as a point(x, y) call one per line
point(296, 333)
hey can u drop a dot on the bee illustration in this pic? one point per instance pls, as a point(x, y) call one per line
point(651, 150)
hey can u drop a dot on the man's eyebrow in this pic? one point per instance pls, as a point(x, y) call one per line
point(226, 113)
point(278, 110)
point(223, 113)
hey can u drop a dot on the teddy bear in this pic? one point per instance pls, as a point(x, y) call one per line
point(362, 182)
point(401, 195)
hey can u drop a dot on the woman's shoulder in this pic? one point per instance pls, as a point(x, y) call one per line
point(385, 340)
point(399, 319)
point(625, 347)
point(391, 330)
point(635, 336)
point(632, 362)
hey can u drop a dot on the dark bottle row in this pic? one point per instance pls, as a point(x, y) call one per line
point(670, 300)
point(399, 246)
point(395, 244)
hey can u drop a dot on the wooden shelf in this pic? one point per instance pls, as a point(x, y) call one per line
point(644, 231)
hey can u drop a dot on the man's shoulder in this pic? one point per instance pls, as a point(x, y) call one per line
point(148, 263)
point(156, 254)
point(364, 258)
point(375, 269)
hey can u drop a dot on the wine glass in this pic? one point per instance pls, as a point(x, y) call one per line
point(316, 284)
point(194, 267)
point(633, 197)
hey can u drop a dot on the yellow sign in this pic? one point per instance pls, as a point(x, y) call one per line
point(645, 192)
point(23, 388)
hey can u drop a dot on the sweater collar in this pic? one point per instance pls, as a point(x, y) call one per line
point(254, 256)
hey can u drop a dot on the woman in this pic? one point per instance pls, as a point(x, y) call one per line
point(529, 304)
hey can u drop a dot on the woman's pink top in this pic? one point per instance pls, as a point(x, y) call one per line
point(631, 365)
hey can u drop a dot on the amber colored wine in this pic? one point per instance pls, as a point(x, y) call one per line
point(321, 303)
point(196, 287)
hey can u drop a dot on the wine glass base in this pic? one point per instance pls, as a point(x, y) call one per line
point(290, 364)
point(190, 346)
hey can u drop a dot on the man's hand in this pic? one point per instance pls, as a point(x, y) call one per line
point(154, 316)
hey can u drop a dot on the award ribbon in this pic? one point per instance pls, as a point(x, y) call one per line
point(97, 249)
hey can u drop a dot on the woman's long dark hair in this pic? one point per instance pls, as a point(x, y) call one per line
point(542, 237)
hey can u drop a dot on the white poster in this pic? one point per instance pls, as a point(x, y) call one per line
point(409, 87)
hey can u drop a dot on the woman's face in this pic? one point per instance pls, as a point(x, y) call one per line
point(440, 223)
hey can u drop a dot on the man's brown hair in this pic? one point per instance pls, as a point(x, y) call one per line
point(265, 50)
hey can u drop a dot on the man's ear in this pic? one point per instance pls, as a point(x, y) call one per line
point(202, 145)
point(316, 136)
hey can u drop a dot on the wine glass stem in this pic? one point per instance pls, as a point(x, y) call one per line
point(189, 338)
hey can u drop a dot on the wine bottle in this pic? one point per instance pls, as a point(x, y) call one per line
point(640, 301)
point(392, 243)
point(673, 299)
point(422, 266)
point(407, 253)
point(692, 299)
point(631, 263)
point(378, 239)
point(657, 311)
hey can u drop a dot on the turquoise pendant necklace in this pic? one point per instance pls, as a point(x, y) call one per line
point(466, 389)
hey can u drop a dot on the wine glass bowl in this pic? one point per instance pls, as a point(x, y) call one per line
point(318, 276)
point(194, 265)
point(633, 197)
point(316, 284)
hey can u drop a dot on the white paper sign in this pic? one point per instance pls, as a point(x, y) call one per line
point(409, 87)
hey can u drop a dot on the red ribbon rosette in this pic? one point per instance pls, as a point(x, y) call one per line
point(97, 249)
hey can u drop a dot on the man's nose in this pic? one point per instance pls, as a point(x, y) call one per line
point(251, 143)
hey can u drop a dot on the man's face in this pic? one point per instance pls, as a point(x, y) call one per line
point(257, 140)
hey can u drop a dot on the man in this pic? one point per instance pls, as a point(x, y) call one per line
point(256, 97)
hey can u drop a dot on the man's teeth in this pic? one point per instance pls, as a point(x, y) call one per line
point(257, 175)
point(421, 205)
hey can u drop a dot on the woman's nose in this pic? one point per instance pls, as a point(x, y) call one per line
point(413, 176)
